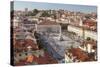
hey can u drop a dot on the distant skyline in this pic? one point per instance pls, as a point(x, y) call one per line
point(21, 5)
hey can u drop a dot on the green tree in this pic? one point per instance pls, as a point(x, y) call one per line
point(35, 11)
point(55, 17)
point(45, 14)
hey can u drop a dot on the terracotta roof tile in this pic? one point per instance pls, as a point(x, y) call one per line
point(79, 54)
point(25, 43)
point(47, 22)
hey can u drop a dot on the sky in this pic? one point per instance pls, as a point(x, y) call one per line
point(21, 5)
